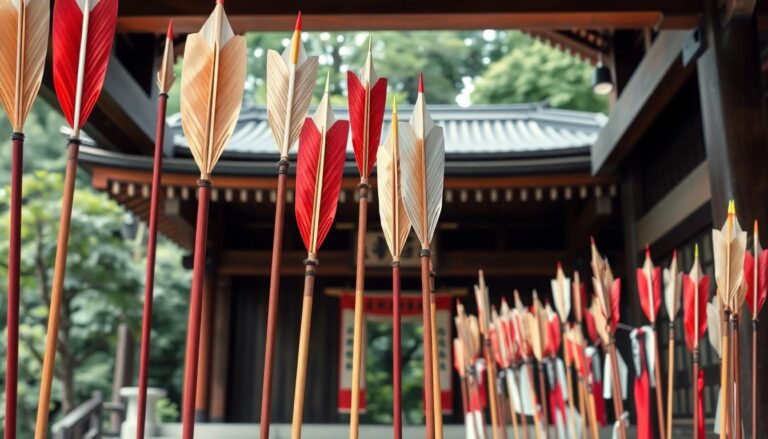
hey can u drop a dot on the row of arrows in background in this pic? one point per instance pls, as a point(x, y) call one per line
point(513, 337)
point(213, 74)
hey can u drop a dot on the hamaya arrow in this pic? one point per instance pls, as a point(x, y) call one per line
point(213, 74)
point(367, 97)
point(23, 46)
point(756, 277)
point(165, 80)
point(290, 78)
point(695, 294)
point(672, 289)
point(395, 226)
point(561, 294)
point(82, 40)
point(649, 289)
point(423, 165)
point(318, 182)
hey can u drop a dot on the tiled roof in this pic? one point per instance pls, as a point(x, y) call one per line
point(524, 129)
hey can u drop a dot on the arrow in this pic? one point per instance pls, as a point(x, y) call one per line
point(422, 181)
point(165, 80)
point(561, 294)
point(672, 289)
point(82, 31)
point(536, 325)
point(213, 74)
point(366, 116)
point(290, 78)
point(318, 182)
point(695, 293)
point(469, 335)
point(649, 289)
point(729, 246)
point(484, 318)
point(23, 46)
point(756, 277)
point(607, 295)
point(502, 346)
point(395, 225)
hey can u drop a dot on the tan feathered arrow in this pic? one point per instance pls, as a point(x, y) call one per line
point(213, 74)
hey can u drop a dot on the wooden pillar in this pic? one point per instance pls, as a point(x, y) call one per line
point(220, 350)
point(123, 374)
point(630, 204)
point(733, 117)
point(204, 359)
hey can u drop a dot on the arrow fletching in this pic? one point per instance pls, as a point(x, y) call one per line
point(672, 288)
point(394, 221)
point(696, 293)
point(322, 146)
point(367, 97)
point(290, 79)
point(730, 244)
point(23, 46)
point(82, 40)
point(165, 76)
point(756, 276)
point(561, 293)
point(714, 311)
point(423, 172)
point(649, 287)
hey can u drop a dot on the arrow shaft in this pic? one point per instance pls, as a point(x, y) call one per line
point(149, 282)
point(670, 376)
point(659, 390)
point(429, 413)
point(14, 272)
point(357, 347)
point(396, 355)
point(618, 403)
point(57, 290)
point(81, 68)
point(301, 366)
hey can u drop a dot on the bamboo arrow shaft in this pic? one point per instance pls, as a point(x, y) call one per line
point(569, 383)
point(301, 366)
point(396, 355)
point(489, 369)
point(754, 377)
point(618, 403)
point(724, 387)
point(195, 311)
point(357, 347)
point(274, 296)
point(695, 392)
point(543, 392)
point(57, 290)
point(427, 347)
point(736, 380)
point(149, 282)
point(14, 272)
point(436, 388)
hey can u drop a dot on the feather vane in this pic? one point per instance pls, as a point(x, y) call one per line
point(367, 97)
point(290, 79)
point(730, 244)
point(213, 74)
point(23, 46)
point(318, 180)
point(423, 174)
point(756, 276)
point(672, 288)
point(561, 293)
point(69, 27)
point(165, 76)
point(690, 288)
point(394, 221)
point(649, 288)
point(714, 326)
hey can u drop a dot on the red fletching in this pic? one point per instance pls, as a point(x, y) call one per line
point(689, 313)
point(357, 115)
point(589, 321)
point(496, 348)
point(553, 335)
point(67, 32)
point(762, 280)
point(306, 179)
point(642, 290)
point(421, 82)
point(615, 300)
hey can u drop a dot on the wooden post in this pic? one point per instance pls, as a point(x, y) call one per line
point(123, 370)
point(220, 357)
point(733, 120)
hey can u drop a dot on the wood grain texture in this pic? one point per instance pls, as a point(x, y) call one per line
point(23, 47)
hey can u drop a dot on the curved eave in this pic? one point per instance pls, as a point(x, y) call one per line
point(571, 160)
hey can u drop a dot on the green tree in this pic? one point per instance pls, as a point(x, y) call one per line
point(534, 71)
point(99, 291)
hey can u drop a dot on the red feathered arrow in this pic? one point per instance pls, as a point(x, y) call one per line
point(695, 294)
point(366, 115)
point(322, 144)
point(82, 41)
point(649, 289)
point(756, 277)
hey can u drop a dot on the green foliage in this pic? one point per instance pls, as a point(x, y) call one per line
point(533, 71)
point(99, 291)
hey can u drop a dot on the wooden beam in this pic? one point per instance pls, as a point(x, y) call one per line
point(658, 77)
point(452, 264)
point(735, 137)
point(680, 203)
